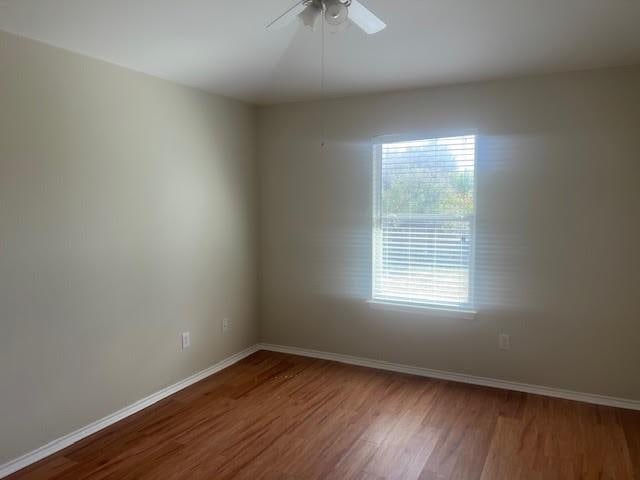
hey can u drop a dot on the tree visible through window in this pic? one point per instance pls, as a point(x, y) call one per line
point(424, 218)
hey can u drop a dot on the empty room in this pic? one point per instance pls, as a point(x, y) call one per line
point(320, 239)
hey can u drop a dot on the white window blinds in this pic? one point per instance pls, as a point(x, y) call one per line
point(424, 211)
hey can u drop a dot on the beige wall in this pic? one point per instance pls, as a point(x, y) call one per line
point(557, 241)
point(126, 216)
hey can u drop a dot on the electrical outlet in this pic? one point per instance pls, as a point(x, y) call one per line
point(225, 325)
point(504, 341)
point(186, 340)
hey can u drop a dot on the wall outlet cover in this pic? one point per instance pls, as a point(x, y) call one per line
point(504, 341)
point(186, 340)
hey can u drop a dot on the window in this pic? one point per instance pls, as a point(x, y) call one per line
point(424, 211)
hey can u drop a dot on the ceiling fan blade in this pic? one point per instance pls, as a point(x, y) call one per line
point(364, 18)
point(288, 15)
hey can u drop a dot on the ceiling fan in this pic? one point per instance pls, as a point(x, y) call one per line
point(335, 12)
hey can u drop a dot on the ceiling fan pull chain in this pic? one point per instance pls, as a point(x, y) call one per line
point(322, 81)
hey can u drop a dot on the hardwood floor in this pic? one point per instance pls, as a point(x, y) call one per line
point(277, 416)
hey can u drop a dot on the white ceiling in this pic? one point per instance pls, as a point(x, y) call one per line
point(222, 45)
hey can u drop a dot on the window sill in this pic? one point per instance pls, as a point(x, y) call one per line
point(423, 309)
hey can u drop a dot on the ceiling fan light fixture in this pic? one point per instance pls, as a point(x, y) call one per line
point(336, 12)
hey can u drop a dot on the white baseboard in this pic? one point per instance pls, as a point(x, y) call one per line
point(73, 437)
point(459, 377)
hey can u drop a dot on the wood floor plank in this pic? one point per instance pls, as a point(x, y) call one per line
point(278, 416)
point(630, 422)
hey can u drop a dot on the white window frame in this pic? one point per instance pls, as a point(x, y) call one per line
point(467, 311)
